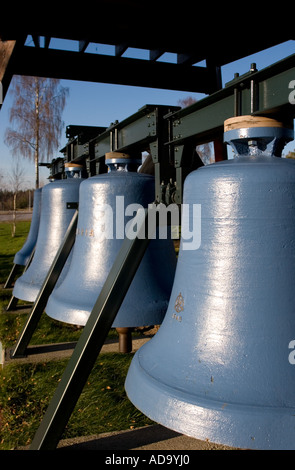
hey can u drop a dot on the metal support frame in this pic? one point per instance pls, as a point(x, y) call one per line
point(91, 340)
point(144, 130)
point(46, 289)
point(15, 269)
point(264, 92)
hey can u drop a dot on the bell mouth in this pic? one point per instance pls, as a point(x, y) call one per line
point(232, 424)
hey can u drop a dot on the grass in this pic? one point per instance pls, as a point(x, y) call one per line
point(25, 392)
point(10, 245)
point(26, 389)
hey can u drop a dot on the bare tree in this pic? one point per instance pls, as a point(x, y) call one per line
point(36, 113)
point(205, 150)
point(185, 102)
point(16, 179)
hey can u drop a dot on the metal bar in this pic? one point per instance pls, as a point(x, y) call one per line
point(13, 301)
point(30, 259)
point(46, 289)
point(137, 130)
point(204, 120)
point(91, 341)
point(12, 274)
point(12, 304)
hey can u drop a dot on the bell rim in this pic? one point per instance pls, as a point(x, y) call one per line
point(261, 428)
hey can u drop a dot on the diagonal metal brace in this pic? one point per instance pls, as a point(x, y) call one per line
point(46, 289)
point(91, 340)
point(11, 277)
point(13, 301)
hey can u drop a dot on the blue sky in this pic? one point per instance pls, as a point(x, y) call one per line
point(99, 104)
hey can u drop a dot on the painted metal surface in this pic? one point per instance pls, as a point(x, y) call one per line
point(54, 221)
point(91, 341)
point(218, 368)
point(98, 241)
point(23, 255)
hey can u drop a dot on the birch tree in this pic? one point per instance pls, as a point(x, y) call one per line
point(205, 150)
point(36, 117)
point(16, 179)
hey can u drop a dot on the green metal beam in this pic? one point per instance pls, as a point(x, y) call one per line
point(137, 130)
point(204, 120)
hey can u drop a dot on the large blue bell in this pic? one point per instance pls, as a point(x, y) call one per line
point(103, 214)
point(23, 255)
point(219, 368)
point(54, 220)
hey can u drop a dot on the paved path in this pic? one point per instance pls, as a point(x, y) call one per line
point(154, 437)
point(50, 352)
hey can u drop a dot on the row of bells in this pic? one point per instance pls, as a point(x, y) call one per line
point(93, 255)
point(218, 367)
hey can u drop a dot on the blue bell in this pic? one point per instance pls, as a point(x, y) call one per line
point(103, 215)
point(219, 368)
point(23, 255)
point(54, 220)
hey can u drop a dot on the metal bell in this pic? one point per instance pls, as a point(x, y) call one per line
point(219, 368)
point(23, 255)
point(54, 221)
point(104, 200)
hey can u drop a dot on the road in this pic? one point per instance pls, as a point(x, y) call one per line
point(6, 216)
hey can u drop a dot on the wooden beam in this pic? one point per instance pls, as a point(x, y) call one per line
point(6, 51)
point(111, 69)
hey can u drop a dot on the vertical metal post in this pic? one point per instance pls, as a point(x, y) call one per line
point(125, 339)
point(220, 150)
point(91, 341)
point(46, 289)
point(253, 90)
point(237, 99)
